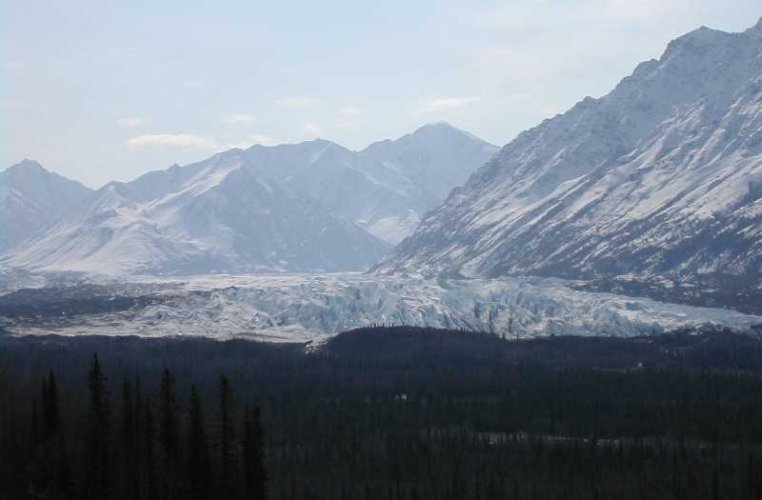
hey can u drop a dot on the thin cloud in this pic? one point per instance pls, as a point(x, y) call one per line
point(131, 122)
point(312, 130)
point(521, 96)
point(193, 84)
point(446, 104)
point(11, 65)
point(264, 140)
point(296, 102)
point(350, 111)
point(239, 118)
point(172, 141)
point(532, 16)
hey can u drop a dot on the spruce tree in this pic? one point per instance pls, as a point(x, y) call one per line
point(198, 465)
point(129, 434)
point(51, 408)
point(148, 470)
point(255, 474)
point(52, 476)
point(169, 435)
point(98, 479)
point(227, 452)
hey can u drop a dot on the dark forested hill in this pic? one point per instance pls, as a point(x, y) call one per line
point(397, 413)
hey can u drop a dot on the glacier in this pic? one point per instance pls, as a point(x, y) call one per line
point(313, 307)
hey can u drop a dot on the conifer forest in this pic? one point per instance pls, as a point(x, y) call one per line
point(387, 413)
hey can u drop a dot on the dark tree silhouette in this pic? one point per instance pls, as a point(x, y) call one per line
point(255, 475)
point(149, 486)
point(227, 442)
point(98, 480)
point(130, 429)
point(51, 408)
point(198, 464)
point(169, 436)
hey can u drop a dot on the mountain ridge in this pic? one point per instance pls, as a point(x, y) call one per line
point(298, 208)
point(655, 178)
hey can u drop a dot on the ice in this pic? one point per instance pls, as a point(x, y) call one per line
point(306, 307)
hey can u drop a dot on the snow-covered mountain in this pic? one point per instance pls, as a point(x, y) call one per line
point(307, 207)
point(385, 188)
point(32, 199)
point(662, 176)
point(422, 168)
point(215, 216)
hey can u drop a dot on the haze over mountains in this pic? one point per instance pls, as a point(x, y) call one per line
point(308, 207)
point(661, 177)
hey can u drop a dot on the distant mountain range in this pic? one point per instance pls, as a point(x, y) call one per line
point(661, 179)
point(307, 207)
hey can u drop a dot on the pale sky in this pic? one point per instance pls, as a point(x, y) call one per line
point(99, 90)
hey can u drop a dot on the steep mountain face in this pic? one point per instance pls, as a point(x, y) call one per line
point(385, 188)
point(32, 199)
point(219, 215)
point(661, 177)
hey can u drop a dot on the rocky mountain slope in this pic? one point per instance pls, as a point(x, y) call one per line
point(661, 178)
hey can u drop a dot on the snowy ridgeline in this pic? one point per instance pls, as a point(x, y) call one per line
point(310, 307)
point(662, 176)
point(308, 207)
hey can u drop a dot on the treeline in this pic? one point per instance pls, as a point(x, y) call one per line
point(134, 445)
point(403, 414)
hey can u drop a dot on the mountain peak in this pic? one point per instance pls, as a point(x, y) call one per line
point(33, 199)
point(27, 165)
point(441, 124)
point(439, 129)
point(318, 141)
point(307, 144)
point(694, 41)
